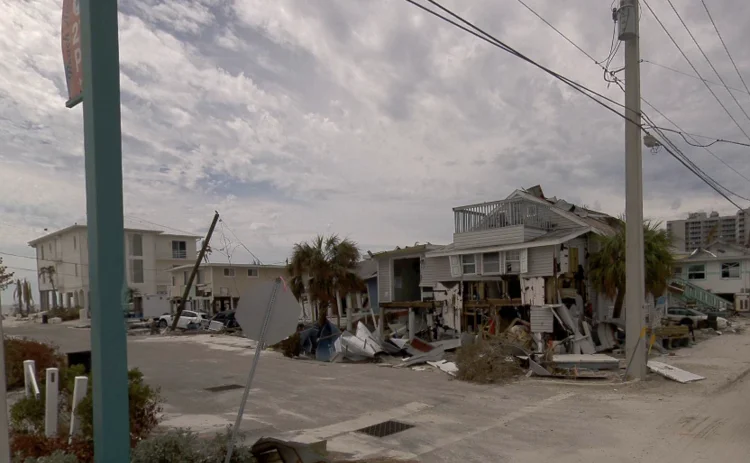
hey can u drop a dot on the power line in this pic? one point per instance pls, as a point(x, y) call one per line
point(616, 80)
point(240, 241)
point(71, 263)
point(694, 68)
point(698, 145)
point(138, 219)
point(708, 60)
point(692, 76)
point(725, 46)
point(496, 42)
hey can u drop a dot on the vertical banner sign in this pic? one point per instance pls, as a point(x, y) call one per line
point(71, 50)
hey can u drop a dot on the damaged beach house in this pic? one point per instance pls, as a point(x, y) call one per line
point(517, 261)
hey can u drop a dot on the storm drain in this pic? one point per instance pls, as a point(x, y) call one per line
point(386, 428)
point(225, 387)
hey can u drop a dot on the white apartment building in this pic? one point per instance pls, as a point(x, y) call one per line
point(219, 286)
point(700, 229)
point(721, 268)
point(149, 256)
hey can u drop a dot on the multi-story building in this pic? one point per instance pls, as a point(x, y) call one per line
point(149, 256)
point(219, 286)
point(701, 229)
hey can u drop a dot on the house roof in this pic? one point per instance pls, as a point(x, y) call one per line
point(550, 239)
point(129, 226)
point(224, 265)
point(367, 269)
point(717, 250)
point(408, 250)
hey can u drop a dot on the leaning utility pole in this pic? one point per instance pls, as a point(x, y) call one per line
point(198, 261)
point(635, 341)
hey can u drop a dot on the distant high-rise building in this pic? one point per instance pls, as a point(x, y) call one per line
point(700, 228)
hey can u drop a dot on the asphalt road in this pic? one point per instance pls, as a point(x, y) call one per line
point(526, 421)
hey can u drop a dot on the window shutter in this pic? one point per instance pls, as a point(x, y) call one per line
point(502, 263)
point(455, 262)
point(524, 260)
point(479, 263)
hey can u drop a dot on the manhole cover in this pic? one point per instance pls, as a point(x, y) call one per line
point(225, 387)
point(386, 428)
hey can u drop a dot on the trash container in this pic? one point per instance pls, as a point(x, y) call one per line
point(80, 358)
point(45, 318)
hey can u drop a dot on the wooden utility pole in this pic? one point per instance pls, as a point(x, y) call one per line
point(198, 261)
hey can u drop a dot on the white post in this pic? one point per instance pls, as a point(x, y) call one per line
point(634, 265)
point(51, 403)
point(349, 311)
point(29, 377)
point(4, 444)
point(79, 392)
point(412, 324)
point(338, 308)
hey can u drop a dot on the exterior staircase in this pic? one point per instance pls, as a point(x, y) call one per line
point(696, 297)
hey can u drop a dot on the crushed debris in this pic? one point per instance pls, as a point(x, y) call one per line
point(673, 373)
point(489, 361)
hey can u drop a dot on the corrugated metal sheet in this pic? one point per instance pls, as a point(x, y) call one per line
point(435, 269)
point(540, 261)
point(542, 320)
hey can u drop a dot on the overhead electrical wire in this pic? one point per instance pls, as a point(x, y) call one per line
point(614, 78)
point(716, 28)
point(580, 88)
point(691, 75)
point(694, 68)
point(721, 79)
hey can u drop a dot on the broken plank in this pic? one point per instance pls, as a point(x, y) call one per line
point(673, 373)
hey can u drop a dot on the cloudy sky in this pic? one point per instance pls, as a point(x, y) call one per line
point(366, 118)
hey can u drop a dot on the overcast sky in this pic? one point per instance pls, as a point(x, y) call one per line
point(366, 118)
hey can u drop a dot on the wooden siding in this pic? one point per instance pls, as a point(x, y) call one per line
point(540, 261)
point(384, 280)
point(436, 269)
point(493, 237)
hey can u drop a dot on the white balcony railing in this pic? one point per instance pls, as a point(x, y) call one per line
point(499, 214)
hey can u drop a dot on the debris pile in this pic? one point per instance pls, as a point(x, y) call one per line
point(488, 361)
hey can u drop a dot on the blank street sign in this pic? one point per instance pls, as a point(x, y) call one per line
point(251, 311)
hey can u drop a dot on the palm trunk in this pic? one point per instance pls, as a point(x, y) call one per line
point(619, 300)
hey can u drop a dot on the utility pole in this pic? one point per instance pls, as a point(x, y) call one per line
point(635, 341)
point(198, 261)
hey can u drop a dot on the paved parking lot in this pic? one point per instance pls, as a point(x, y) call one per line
point(529, 420)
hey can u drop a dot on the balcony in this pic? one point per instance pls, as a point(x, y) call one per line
point(500, 214)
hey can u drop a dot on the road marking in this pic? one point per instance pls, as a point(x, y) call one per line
point(514, 415)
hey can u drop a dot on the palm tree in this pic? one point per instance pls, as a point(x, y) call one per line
point(23, 295)
point(607, 266)
point(323, 268)
point(50, 273)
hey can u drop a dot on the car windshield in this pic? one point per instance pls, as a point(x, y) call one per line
point(202, 315)
point(694, 312)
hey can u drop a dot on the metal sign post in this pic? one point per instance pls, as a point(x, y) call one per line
point(258, 349)
point(92, 64)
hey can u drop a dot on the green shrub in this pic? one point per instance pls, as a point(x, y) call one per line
point(176, 445)
point(19, 349)
point(57, 457)
point(144, 406)
point(216, 449)
point(27, 415)
point(25, 446)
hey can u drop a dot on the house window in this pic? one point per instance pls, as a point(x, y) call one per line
point(42, 251)
point(531, 211)
point(513, 261)
point(185, 277)
point(75, 266)
point(468, 263)
point(161, 289)
point(730, 270)
point(252, 272)
point(229, 272)
point(697, 272)
point(199, 278)
point(136, 245)
point(491, 262)
point(179, 250)
point(75, 243)
point(174, 282)
point(677, 272)
point(136, 267)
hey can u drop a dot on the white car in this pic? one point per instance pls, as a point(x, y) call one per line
point(699, 319)
point(188, 317)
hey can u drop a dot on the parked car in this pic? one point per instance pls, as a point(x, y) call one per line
point(698, 319)
point(226, 318)
point(188, 317)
